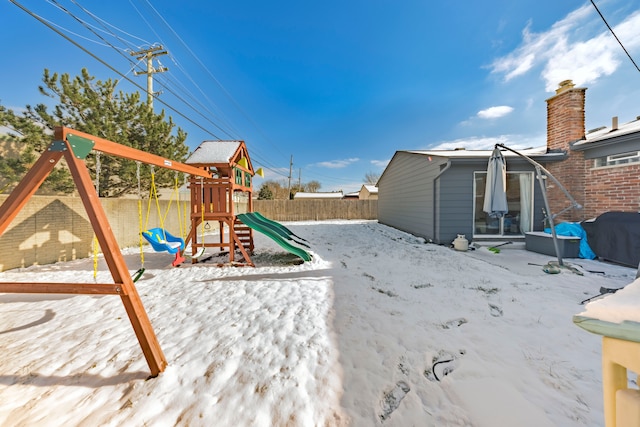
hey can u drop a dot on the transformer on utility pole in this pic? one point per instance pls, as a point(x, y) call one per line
point(149, 54)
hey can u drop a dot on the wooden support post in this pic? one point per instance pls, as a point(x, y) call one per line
point(117, 266)
point(123, 285)
point(27, 187)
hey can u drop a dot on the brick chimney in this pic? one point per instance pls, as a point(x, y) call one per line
point(565, 124)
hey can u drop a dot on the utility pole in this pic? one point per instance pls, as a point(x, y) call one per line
point(290, 166)
point(300, 179)
point(149, 54)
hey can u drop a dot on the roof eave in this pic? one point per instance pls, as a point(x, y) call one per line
point(584, 145)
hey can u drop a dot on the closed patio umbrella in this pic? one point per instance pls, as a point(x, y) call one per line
point(495, 196)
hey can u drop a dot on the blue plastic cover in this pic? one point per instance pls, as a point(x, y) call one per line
point(574, 229)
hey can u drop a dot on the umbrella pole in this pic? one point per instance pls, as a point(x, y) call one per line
point(548, 214)
point(543, 188)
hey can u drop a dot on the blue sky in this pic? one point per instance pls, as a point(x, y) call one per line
point(340, 86)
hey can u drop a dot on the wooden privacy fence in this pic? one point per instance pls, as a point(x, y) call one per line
point(316, 209)
point(56, 228)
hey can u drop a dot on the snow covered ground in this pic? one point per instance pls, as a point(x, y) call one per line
point(379, 329)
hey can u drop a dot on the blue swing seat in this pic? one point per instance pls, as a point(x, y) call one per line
point(161, 240)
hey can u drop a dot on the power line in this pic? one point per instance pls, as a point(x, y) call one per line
point(224, 90)
point(149, 95)
point(266, 163)
point(165, 86)
point(154, 47)
point(614, 35)
point(105, 24)
point(51, 27)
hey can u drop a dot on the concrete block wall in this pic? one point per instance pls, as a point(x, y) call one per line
point(53, 229)
point(56, 229)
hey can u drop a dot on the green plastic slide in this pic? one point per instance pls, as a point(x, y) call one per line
point(273, 233)
point(276, 227)
point(281, 227)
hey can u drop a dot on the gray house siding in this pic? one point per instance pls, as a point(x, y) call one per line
point(457, 203)
point(455, 208)
point(434, 198)
point(406, 193)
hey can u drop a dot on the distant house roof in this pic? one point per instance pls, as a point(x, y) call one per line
point(371, 189)
point(332, 195)
point(352, 195)
point(214, 152)
point(604, 134)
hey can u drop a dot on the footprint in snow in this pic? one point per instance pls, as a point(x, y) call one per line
point(495, 310)
point(454, 323)
point(391, 399)
point(443, 364)
point(403, 365)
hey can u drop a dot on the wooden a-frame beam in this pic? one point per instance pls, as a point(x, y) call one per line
point(23, 192)
point(74, 154)
point(109, 147)
point(61, 288)
point(117, 265)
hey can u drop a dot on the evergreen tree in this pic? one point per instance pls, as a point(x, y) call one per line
point(265, 193)
point(94, 107)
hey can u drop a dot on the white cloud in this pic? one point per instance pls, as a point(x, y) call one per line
point(568, 51)
point(487, 143)
point(380, 163)
point(495, 112)
point(337, 164)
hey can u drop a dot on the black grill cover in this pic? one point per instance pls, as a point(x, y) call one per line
point(615, 236)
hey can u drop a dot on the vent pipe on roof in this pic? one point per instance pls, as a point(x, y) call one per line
point(614, 123)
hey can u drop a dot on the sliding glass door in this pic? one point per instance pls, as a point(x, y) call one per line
point(520, 200)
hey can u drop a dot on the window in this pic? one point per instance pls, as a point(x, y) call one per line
point(617, 159)
point(518, 220)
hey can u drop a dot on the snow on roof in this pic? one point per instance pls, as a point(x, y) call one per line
point(604, 133)
point(538, 151)
point(332, 195)
point(214, 152)
point(371, 188)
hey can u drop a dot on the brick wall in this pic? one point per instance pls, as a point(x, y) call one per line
point(565, 124)
point(614, 188)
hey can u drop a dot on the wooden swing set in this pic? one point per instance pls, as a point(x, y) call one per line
point(74, 146)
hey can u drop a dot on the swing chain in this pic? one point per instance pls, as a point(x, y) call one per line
point(205, 226)
point(140, 225)
point(98, 170)
point(139, 179)
point(94, 241)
